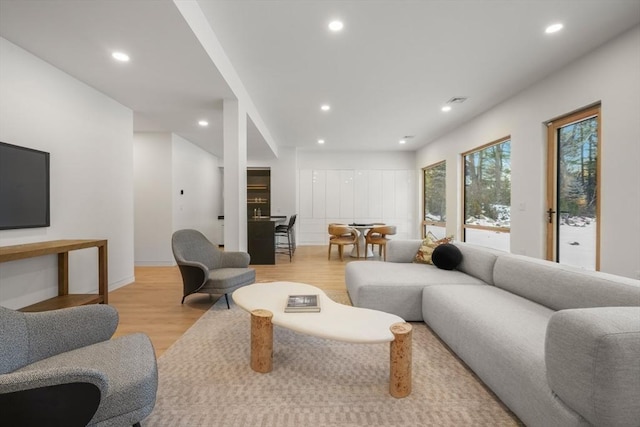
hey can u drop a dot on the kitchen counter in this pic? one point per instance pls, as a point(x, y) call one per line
point(261, 236)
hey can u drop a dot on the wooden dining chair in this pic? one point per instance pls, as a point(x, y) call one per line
point(378, 236)
point(342, 235)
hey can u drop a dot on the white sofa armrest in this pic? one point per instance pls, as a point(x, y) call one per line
point(399, 250)
point(592, 363)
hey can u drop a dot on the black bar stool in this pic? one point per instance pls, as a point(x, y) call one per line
point(286, 230)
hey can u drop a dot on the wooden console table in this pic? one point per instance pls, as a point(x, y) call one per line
point(62, 248)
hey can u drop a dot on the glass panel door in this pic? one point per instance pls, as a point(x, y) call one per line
point(573, 213)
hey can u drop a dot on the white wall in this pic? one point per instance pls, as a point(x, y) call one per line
point(608, 75)
point(89, 137)
point(152, 170)
point(345, 187)
point(381, 160)
point(196, 173)
point(283, 181)
point(166, 165)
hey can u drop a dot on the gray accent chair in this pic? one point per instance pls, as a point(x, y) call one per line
point(206, 269)
point(61, 367)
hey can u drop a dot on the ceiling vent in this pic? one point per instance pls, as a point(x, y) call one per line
point(457, 100)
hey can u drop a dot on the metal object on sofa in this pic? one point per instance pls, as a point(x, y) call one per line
point(60, 367)
point(206, 269)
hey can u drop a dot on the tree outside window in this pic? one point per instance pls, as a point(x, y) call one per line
point(577, 169)
point(487, 195)
point(435, 206)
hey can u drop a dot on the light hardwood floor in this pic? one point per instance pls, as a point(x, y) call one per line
point(152, 303)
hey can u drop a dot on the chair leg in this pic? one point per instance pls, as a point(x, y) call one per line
point(329, 255)
point(366, 246)
point(226, 297)
point(358, 251)
point(293, 240)
point(340, 252)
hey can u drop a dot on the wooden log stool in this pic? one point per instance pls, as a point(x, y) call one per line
point(261, 341)
point(401, 360)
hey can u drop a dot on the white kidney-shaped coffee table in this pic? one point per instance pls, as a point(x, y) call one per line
point(266, 303)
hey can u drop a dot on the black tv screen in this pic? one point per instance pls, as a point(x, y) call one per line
point(24, 187)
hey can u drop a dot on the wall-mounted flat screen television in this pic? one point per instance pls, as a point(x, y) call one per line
point(24, 187)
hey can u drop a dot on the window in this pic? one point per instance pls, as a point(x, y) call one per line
point(435, 206)
point(487, 195)
point(573, 201)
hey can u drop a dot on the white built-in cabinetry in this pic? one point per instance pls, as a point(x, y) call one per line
point(353, 195)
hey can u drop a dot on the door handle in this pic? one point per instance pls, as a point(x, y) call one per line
point(550, 213)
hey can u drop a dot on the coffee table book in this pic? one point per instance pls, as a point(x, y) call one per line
point(302, 304)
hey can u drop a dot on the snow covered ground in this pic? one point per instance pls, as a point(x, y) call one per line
point(439, 232)
point(577, 244)
point(491, 239)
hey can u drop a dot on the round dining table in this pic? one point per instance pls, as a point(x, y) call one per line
point(362, 243)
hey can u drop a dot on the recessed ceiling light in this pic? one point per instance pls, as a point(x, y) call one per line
point(402, 141)
point(446, 108)
point(554, 28)
point(321, 141)
point(325, 107)
point(336, 25)
point(203, 123)
point(120, 56)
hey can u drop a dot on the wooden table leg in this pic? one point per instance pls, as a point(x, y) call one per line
point(103, 272)
point(63, 273)
point(261, 341)
point(400, 360)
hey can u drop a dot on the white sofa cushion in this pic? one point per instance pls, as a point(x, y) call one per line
point(396, 288)
point(560, 286)
point(501, 337)
point(478, 261)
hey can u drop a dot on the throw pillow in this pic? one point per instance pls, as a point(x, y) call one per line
point(446, 257)
point(427, 247)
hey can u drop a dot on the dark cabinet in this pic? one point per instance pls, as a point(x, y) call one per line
point(261, 244)
point(258, 193)
point(261, 228)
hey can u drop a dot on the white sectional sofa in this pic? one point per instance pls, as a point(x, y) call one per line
point(558, 345)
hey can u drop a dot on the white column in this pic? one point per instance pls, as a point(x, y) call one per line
point(235, 175)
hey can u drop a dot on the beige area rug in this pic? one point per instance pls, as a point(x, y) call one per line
point(205, 380)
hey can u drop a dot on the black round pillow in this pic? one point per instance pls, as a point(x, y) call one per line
point(446, 256)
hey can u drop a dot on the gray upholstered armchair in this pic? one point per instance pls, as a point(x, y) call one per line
point(60, 367)
point(206, 269)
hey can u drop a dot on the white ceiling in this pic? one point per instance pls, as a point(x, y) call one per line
point(386, 75)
